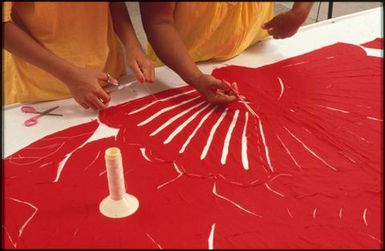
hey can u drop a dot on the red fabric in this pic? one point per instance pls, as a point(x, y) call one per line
point(313, 178)
point(377, 43)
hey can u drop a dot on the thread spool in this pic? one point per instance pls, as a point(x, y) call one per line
point(118, 204)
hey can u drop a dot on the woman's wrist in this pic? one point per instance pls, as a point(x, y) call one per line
point(194, 78)
point(65, 72)
point(301, 10)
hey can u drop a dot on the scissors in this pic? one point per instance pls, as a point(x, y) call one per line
point(118, 86)
point(30, 109)
point(33, 121)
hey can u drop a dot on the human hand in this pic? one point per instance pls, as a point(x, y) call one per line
point(85, 87)
point(285, 24)
point(141, 65)
point(214, 90)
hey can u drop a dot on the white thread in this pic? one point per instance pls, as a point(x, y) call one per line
point(268, 187)
point(92, 162)
point(156, 243)
point(232, 202)
point(288, 211)
point(114, 167)
point(307, 148)
point(333, 109)
point(21, 230)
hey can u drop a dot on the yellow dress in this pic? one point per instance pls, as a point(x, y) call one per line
point(79, 32)
point(219, 30)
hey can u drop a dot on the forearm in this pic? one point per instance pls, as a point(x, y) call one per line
point(172, 52)
point(123, 26)
point(168, 45)
point(22, 45)
point(302, 9)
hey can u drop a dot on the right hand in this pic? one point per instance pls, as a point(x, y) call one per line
point(84, 85)
point(214, 90)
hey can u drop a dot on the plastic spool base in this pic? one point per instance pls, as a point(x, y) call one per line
point(119, 208)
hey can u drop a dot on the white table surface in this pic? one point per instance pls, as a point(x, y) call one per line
point(356, 28)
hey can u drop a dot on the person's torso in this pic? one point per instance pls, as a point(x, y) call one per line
point(220, 30)
point(78, 32)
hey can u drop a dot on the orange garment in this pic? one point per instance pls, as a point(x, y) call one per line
point(219, 30)
point(79, 32)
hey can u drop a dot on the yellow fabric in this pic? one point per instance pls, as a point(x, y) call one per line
point(79, 32)
point(7, 6)
point(219, 30)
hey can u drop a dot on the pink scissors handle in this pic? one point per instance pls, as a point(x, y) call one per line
point(28, 109)
point(32, 121)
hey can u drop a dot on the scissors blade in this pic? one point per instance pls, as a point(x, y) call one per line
point(48, 111)
point(111, 88)
point(50, 114)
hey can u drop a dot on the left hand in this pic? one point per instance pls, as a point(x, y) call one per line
point(141, 65)
point(285, 24)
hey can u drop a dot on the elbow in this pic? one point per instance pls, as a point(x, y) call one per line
point(151, 24)
point(156, 15)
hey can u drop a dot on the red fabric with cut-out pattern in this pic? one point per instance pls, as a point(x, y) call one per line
point(313, 178)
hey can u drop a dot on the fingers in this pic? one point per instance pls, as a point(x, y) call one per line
point(97, 104)
point(267, 25)
point(144, 71)
point(222, 92)
point(84, 105)
point(235, 86)
point(100, 100)
point(96, 101)
point(138, 72)
point(103, 96)
point(82, 102)
point(271, 27)
point(221, 99)
point(221, 85)
point(107, 78)
point(148, 71)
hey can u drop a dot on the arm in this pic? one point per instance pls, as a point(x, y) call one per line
point(287, 24)
point(142, 65)
point(82, 83)
point(158, 22)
